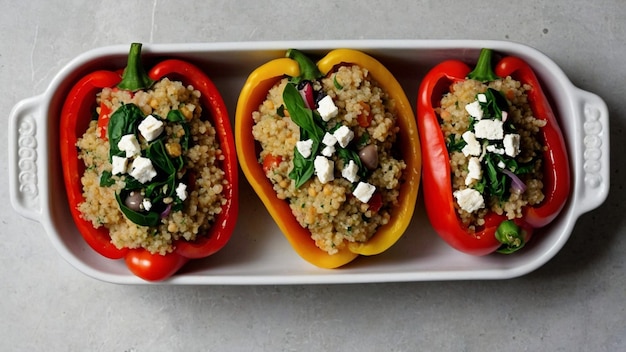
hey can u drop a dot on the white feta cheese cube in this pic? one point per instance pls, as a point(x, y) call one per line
point(181, 191)
point(482, 98)
point(329, 139)
point(511, 144)
point(146, 204)
point(344, 135)
point(119, 165)
point(326, 108)
point(328, 151)
point(129, 144)
point(324, 169)
point(489, 129)
point(473, 146)
point(364, 191)
point(142, 169)
point(469, 199)
point(151, 128)
point(305, 147)
point(350, 171)
point(474, 171)
point(474, 110)
point(495, 150)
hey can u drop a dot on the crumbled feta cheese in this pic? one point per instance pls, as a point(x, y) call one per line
point(469, 199)
point(329, 139)
point(328, 151)
point(349, 171)
point(511, 144)
point(324, 169)
point(482, 98)
point(473, 146)
point(119, 165)
point(501, 164)
point(364, 191)
point(475, 171)
point(327, 109)
point(129, 144)
point(142, 169)
point(474, 110)
point(489, 129)
point(505, 115)
point(146, 204)
point(151, 128)
point(305, 147)
point(181, 191)
point(344, 135)
point(495, 150)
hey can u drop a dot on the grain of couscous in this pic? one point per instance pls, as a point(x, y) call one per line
point(351, 176)
point(187, 141)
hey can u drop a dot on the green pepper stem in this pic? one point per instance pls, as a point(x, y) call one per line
point(135, 77)
point(511, 236)
point(483, 71)
point(308, 68)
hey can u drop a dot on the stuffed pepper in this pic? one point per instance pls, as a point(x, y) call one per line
point(332, 150)
point(149, 165)
point(495, 163)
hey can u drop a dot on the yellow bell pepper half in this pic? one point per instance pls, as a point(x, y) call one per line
point(255, 91)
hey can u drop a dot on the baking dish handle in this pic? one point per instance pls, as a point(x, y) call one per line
point(26, 157)
point(592, 147)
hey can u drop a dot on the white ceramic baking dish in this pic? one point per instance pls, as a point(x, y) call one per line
point(258, 253)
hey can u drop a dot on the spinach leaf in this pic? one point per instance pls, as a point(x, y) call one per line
point(178, 117)
point(300, 114)
point(310, 128)
point(106, 179)
point(159, 157)
point(303, 168)
point(496, 103)
point(363, 140)
point(281, 110)
point(348, 154)
point(123, 121)
point(141, 219)
point(455, 145)
point(496, 182)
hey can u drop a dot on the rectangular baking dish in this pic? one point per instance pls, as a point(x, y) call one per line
point(258, 253)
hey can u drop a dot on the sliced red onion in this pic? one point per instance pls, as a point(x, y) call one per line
point(307, 94)
point(516, 183)
point(166, 212)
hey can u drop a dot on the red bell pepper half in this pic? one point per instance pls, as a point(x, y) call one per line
point(498, 233)
point(77, 111)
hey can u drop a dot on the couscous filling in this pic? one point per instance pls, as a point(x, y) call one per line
point(495, 149)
